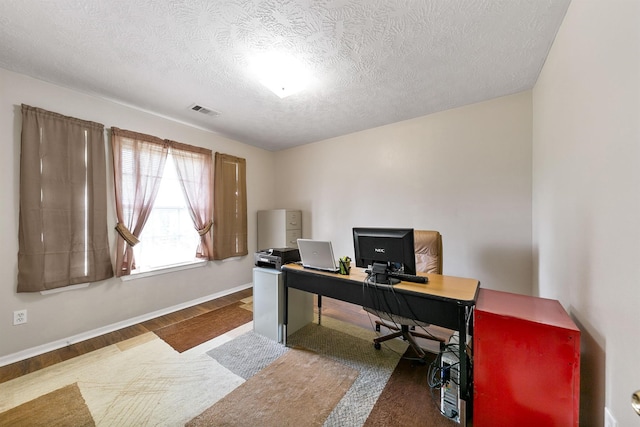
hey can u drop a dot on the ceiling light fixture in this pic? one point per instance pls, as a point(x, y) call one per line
point(281, 73)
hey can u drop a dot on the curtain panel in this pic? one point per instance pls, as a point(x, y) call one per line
point(63, 236)
point(138, 164)
point(194, 167)
point(230, 207)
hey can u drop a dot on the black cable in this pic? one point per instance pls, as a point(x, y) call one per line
point(397, 300)
point(447, 378)
point(433, 381)
point(382, 304)
point(435, 371)
point(413, 315)
point(365, 287)
point(383, 307)
point(382, 301)
point(382, 298)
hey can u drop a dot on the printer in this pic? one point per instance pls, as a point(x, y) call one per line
point(276, 257)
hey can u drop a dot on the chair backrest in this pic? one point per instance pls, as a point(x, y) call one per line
point(428, 249)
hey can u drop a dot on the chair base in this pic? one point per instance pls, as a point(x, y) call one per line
point(406, 334)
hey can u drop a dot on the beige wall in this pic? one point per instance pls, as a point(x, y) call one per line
point(586, 181)
point(465, 172)
point(55, 317)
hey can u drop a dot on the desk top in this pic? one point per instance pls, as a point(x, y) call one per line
point(447, 287)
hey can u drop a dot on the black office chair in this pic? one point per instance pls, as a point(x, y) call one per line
point(428, 251)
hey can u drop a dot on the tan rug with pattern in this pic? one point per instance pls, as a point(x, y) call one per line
point(199, 329)
point(60, 408)
point(299, 381)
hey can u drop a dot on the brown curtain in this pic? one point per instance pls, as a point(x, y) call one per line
point(138, 164)
point(194, 166)
point(230, 207)
point(63, 234)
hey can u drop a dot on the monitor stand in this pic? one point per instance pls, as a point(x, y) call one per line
point(379, 275)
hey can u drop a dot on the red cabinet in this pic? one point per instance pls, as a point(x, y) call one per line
point(526, 367)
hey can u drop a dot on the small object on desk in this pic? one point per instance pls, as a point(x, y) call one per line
point(345, 265)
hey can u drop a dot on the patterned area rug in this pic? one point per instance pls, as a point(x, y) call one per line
point(199, 329)
point(299, 388)
point(144, 381)
point(60, 408)
point(347, 344)
point(406, 400)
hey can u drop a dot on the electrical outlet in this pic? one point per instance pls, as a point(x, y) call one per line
point(19, 317)
point(609, 421)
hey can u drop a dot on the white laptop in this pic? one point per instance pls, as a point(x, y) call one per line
point(317, 254)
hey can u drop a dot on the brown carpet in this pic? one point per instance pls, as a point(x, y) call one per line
point(63, 407)
point(197, 330)
point(407, 400)
point(299, 388)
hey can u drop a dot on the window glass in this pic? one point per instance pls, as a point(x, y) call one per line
point(168, 237)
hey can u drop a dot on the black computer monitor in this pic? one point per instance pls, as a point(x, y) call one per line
point(384, 250)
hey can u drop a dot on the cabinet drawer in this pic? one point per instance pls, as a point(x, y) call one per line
point(294, 220)
point(292, 238)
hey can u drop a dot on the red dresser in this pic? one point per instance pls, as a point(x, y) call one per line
point(526, 367)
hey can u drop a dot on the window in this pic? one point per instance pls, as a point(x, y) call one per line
point(168, 237)
point(164, 201)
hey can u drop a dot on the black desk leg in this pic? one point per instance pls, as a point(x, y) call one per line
point(285, 315)
point(319, 309)
point(464, 365)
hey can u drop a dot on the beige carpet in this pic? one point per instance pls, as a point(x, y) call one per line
point(299, 388)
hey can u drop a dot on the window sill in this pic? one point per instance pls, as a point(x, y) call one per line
point(164, 270)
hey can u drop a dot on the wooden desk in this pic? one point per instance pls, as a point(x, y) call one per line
point(444, 301)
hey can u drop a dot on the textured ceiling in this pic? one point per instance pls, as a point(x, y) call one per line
point(375, 62)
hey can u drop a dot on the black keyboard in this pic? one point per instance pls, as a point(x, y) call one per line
point(409, 277)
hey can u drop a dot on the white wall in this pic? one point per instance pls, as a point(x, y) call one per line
point(586, 181)
point(464, 172)
point(56, 317)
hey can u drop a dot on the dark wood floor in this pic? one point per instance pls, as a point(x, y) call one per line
point(333, 308)
point(345, 311)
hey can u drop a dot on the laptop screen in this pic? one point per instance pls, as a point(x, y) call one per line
point(317, 254)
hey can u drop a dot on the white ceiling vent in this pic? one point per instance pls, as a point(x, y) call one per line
point(205, 110)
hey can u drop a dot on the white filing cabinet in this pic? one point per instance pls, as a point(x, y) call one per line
point(279, 228)
point(268, 305)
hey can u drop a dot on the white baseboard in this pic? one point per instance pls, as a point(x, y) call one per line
point(64, 342)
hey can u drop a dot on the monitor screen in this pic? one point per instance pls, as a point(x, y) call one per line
point(390, 246)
